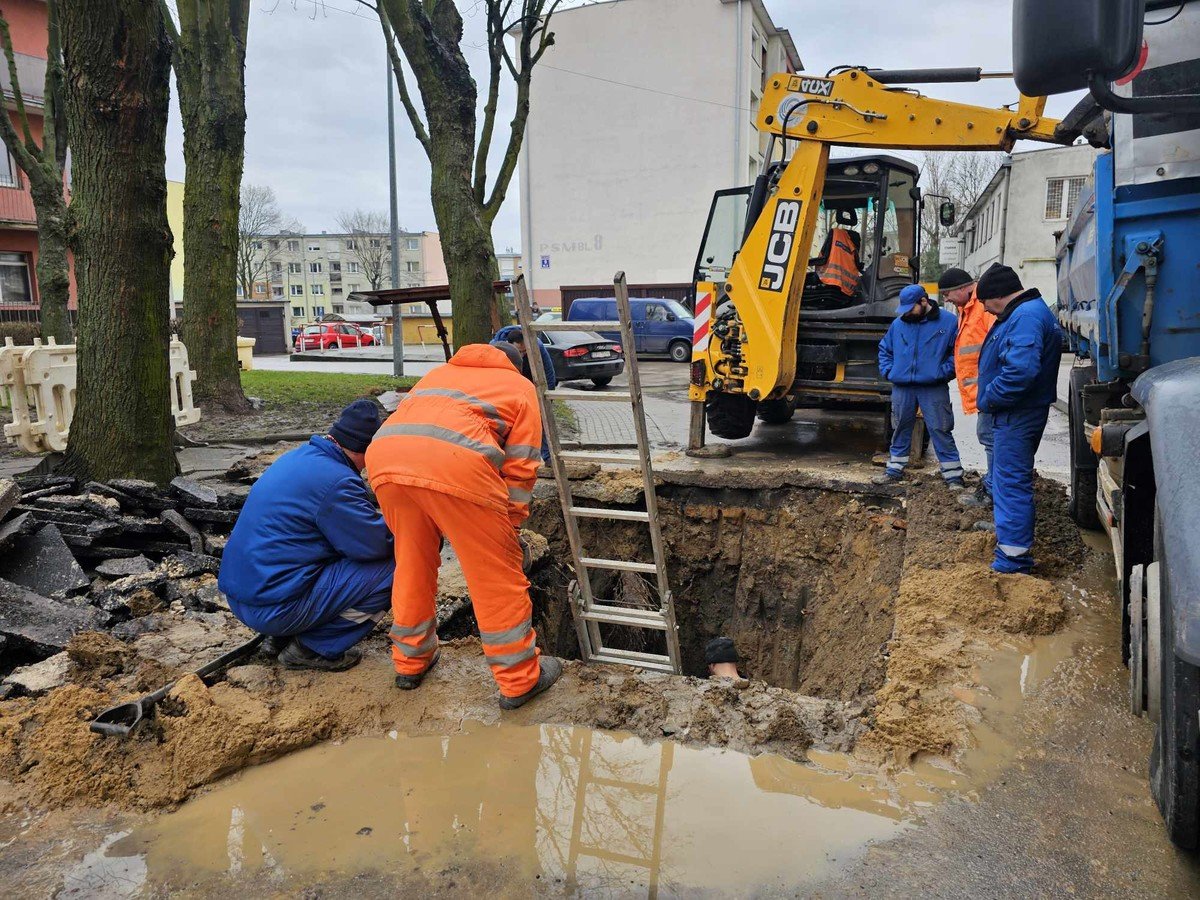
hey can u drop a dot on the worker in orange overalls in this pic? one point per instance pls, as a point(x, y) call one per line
point(458, 458)
point(957, 287)
point(838, 263)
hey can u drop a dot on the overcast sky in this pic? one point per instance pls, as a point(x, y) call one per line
point(316, 101)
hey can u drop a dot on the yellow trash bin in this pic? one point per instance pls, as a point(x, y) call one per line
point(246, 353)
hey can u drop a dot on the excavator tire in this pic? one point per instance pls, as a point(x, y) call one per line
point(730, 416)
point(776, 412)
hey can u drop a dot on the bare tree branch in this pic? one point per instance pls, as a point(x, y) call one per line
point(29, 146)
point(369, 230)
point(405, 98)
point(259, 220)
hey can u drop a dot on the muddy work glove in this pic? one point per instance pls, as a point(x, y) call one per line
point(526, 553)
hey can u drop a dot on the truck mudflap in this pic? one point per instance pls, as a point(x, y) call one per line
point(1170, 394)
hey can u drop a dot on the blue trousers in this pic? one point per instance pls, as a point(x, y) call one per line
point(1017, 434)
point(934, 403)
point(346, 602)
point(983, 431)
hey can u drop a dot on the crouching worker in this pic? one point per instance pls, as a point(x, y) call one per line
point(458, 459)
point(310, 558)
point(917, 357)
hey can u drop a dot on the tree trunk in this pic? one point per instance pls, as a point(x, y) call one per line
point(212, 154)
point(117, 68)
point(53, 266)
point(210, 74)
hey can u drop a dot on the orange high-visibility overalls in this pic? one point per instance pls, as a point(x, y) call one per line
point(840, 268)
point(459, 458)
point(974, 322)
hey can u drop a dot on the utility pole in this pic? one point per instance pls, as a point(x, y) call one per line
point(397, 324)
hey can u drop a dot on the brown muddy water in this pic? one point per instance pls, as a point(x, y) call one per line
point(557, 811)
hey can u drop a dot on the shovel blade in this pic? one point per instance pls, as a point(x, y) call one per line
point(120, 720)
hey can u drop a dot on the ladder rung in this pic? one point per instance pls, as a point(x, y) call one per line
point(598, 457)
point(561, 325)
point(620, 565)
point(622, 615)
point(651, 661)
point(594, 512)
point(609, 396)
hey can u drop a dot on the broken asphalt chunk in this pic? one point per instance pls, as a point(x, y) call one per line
point(40, 623)
point(184, 565)
point(120, 568)
point(44, 563)
point(184, 529)
point(10, 493)
point(17, 527)
point(39, 678)
point(215, 516)
point(193, 493)
point(38, 482)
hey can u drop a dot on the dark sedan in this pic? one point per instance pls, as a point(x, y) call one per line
point(584, 354)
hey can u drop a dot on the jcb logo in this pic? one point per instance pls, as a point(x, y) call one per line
point(779, 246)
point(821, 87)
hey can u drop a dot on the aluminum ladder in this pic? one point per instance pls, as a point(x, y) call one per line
point(589, 612)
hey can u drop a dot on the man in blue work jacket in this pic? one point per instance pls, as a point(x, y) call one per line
point(513, 334)
point(917, 357)
point(1018, 383)
point(310, 560)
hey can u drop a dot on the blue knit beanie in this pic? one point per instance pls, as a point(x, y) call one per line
point(356, 426)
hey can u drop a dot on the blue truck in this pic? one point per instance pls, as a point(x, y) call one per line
point(1129, 299)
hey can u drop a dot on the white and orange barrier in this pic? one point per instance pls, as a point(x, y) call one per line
point(40, 382)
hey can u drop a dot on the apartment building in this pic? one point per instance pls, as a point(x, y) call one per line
point(632, 133)
point(1028, 201)
point(316, 274)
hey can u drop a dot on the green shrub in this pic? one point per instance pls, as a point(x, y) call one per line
point(22, 333)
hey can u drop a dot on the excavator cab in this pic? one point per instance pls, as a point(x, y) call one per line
point(864, 251)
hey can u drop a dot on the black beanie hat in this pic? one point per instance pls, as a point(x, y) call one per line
point(998, 281)
point(720, 650)
point(510, 350)
point(356, 426)
point(953, 278)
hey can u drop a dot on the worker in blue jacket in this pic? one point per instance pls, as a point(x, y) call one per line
point(917, 357)
point(1018, 383)
point(513, 334)
point(310, 560)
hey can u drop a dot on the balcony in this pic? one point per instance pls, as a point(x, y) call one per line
point(16, 206)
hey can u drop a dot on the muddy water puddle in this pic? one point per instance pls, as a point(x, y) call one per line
point(539, 809)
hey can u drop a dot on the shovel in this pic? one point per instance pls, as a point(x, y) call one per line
point(122, 719)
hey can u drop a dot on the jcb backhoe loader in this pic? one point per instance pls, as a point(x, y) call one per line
point(798, 275)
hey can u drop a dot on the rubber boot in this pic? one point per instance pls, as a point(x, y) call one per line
point(412, 682)
point(551, 669)
point(296, 656)
point(273, 645)
point(886, 478)
point(980, 499)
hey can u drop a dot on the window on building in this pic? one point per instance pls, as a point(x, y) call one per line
point(277, 268)
point(297, 312)
point(316, 289)
point(277, 292)
point(353, 288)
point(335, 267)
point(376, 242)
point(413, 267)
point(260, 287)
point(297, 290)
point(8, 170)
point(350, 245)
point(415, 309)
point(314, 247)
point(318, 312)
point(14, 278)
point(352, 268)
point(256, 245)
point(1061, 195)
point(295, 268)
point(240, 292)
point(293, 246)
point(338, 309)
point(335, 290)
point(413, 244)
point(315, 268)
point(274, 245)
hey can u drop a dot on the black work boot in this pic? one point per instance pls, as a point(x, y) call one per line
point(980, 499)
point(551, 669)
point(412, 682)
point(296, 656)
point(273, 645)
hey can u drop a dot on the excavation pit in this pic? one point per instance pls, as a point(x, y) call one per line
point(802, 579)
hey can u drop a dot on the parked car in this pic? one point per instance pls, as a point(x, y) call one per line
point(584, 354)
point(549, 316)
point(333, 336)
point(660, 325)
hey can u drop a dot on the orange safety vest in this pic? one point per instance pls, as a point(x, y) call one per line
point(471, 428)
point(840, 269)
point(974, 322)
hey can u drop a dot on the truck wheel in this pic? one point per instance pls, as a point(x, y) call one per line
point(776, 412)
point(1082, 503)
point(681, 351)
point(1175, 756)
point(730, 416)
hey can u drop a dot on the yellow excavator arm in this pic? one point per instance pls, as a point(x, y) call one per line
point(851, 109)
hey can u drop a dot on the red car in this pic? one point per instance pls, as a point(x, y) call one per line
point(333, 336)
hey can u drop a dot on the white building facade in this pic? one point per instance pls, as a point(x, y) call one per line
point(1014, 221)
point(637, 118)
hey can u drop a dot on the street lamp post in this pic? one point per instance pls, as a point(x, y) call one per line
point(397, 324)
